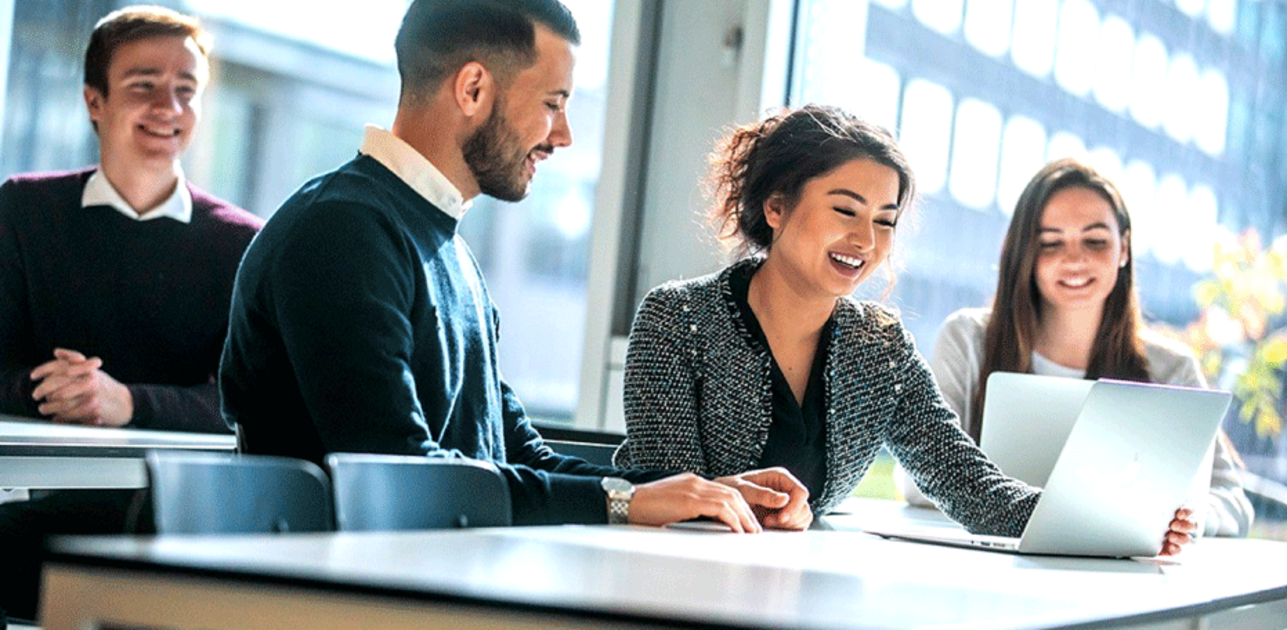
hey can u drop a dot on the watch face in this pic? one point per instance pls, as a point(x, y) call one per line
point(617, 484)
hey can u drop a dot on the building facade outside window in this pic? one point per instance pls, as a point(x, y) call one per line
point(1181, 103)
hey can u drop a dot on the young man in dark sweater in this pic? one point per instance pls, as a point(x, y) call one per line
point(361, 322)
point(115, 280)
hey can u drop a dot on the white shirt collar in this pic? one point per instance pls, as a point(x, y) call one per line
point(100, 192)
point(414, 169)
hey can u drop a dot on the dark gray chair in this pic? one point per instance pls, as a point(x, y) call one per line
point(212, 493)
point(600, 454)
point(394, 492)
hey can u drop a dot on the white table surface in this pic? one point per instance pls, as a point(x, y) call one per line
point(39, 454)
point(637, 575)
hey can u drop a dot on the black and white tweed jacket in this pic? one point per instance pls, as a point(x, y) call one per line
point(698, 398)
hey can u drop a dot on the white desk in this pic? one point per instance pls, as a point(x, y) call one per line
point(36, 454)
point(575, 577)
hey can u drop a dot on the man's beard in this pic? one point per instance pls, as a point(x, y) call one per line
point(496, 159)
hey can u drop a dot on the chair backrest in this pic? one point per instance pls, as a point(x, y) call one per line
point(600, 454)
point(212, 493)
point(393, 492)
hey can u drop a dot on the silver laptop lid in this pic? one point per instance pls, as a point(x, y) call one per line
point(1027, 419)
point(1126, 466)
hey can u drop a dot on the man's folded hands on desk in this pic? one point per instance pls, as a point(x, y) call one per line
point(73, 389)
point(746, 503)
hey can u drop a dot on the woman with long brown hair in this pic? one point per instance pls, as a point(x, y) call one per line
point(1066, 305)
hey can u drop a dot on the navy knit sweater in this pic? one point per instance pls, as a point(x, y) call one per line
point(360, 323)
point(148, 297)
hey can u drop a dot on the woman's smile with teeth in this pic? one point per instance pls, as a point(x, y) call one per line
point(1076, 282)
point(848, 261)
point(164, 133)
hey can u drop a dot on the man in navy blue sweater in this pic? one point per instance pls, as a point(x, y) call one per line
point(361, 323)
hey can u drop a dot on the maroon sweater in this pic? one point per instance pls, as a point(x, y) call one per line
point(148, 297)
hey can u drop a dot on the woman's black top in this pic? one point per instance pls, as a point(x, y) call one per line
point(797, 436)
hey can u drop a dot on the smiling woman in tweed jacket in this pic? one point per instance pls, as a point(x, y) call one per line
point(771, 362)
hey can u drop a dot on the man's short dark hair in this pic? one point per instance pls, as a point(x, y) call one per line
point(132, 24)
point(439, 36)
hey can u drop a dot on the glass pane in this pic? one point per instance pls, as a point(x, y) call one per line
point(831, 44)
point(1203, 212)
point(536, 253)
point(1212, 113)
point(1222, 15)
point(1149, 81)
point(1181, 86)
point(987, 25)
point(1192, 8)
point(1033, 46)
point(1065, 145)
point(943, 16)
point(1075, 52)
point(974, 153)
point(925, 132)
point(1273, 32)
point(1139, 191)
point(1173, 202)
point(874, 95)
point(1180, 107)
point(45, 126)
point(1023, 152)
point(1108, 162)
point(1112, 74)
point(367, 33)
point(835, 75)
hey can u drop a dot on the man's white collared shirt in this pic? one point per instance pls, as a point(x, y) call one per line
point(414, 169)
point(100, 192)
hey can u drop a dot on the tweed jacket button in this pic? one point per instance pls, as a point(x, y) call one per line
point(693, 327)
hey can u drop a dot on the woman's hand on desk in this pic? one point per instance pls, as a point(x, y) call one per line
point(738, 501)
point(687, 496)
point(1183, 530)
point(778, 499)
point(73, 389)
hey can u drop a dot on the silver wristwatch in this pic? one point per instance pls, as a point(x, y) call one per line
point(618, 491)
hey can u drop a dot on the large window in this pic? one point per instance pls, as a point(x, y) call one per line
point(294, 82)
point(1180, 102)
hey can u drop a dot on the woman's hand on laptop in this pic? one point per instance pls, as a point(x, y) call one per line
point(1182, 532)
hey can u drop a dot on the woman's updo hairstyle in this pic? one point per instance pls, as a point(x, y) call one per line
point(778, 155)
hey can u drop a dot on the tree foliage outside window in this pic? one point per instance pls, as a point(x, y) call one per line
point(1240, 336)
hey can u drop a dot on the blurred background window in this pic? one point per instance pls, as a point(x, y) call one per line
point(294, 82)
point(1181, 103)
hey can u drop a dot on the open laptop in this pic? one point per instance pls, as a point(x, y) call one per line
point(1027, 419)
point(1128, 462)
